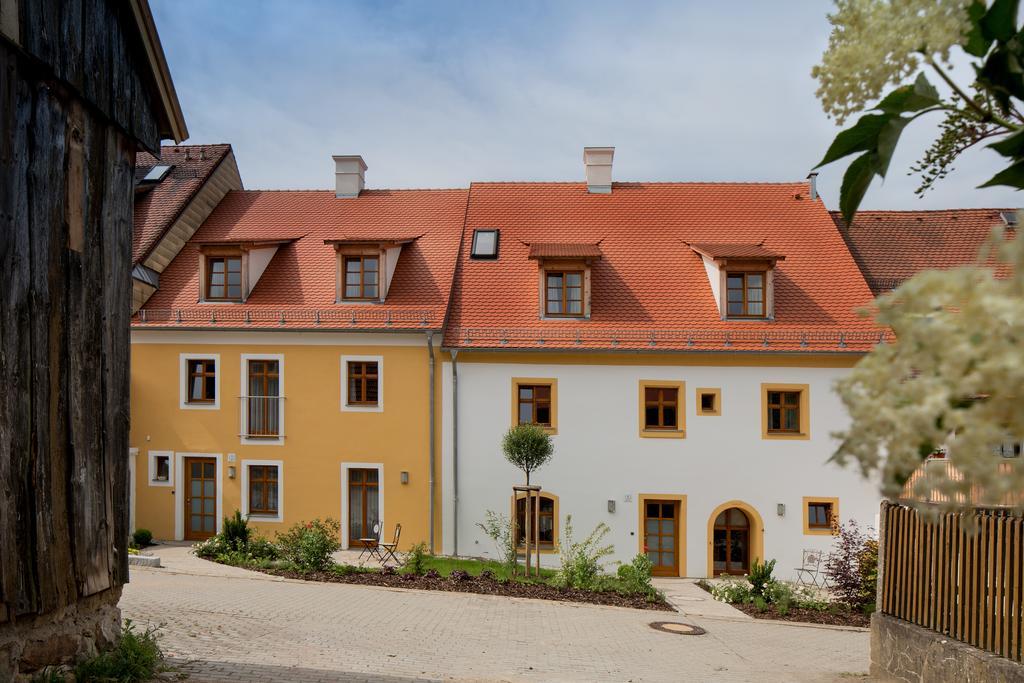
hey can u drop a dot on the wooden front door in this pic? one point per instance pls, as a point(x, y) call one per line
point(363, 504)
point(200, 498)
point(731, 543)
point(661, 536)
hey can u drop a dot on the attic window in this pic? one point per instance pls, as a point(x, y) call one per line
point(745, 295)
point(157, 173)
point(224, 278)
point(1009, 217)
point(485, 244)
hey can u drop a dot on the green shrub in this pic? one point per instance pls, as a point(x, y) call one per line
point(236, 531)
point(581, 562)
point(780, 594)
point(309, 545)
point(635, 577)
point(416, 560)
point(137, 657)
point(49, 674)
point(732, 591)
point(499, 529)
point(260, 548)
point(142, 537)
point(760, 604)
point(211, 548)
point(761, 576)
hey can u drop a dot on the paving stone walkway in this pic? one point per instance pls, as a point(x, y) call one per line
point(227, 624)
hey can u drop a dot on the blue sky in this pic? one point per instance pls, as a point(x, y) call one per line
point(436, 94)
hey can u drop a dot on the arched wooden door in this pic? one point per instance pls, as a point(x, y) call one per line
point(731, 549)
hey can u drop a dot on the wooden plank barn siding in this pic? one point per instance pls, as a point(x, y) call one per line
point(77, 100)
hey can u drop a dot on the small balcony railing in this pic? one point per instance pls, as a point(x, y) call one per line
point(262, 416)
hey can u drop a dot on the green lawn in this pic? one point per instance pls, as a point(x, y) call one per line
point(444, 566)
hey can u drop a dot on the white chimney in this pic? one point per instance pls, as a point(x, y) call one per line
point(598, 163)
point(349, 175)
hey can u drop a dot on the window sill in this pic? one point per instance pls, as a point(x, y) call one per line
point(550, 431)
point(213, 405)
point(663, 433)
point(819, 532)
point(785, 436)
point(362, 408)
point(544, 549)
point(263, 517)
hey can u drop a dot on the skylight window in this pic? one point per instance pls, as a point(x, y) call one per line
point(157, 173)
point(485, 244)
point(1009, 217)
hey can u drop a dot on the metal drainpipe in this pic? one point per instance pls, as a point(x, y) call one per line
point(455, 453)
point(430, 361)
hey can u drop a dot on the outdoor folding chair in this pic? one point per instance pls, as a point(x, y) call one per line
point(811, 574)
point(390, 548)
point(372, 545)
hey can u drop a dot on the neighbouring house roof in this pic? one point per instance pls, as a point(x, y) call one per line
point(650, 290)
point(892, 246)
point(158, 205)
point(297, 289)
point(565, 250)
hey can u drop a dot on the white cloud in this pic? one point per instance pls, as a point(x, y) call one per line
point(439, 95)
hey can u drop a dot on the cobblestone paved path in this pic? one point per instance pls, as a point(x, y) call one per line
point(226, 624)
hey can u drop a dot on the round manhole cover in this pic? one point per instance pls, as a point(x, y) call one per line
point(678, 628)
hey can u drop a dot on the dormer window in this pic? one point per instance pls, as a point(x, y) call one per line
point(742, 278)
point(362, 277)
point(485, 244)
point(564, 293)
point(224, 278)
point(565, 278)
point(745, 295)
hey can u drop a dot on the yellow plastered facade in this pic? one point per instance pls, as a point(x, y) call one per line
point(320, 439)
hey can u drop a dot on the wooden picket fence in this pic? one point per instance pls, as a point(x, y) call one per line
point(960, 574)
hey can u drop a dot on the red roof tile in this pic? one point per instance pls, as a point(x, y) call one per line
point(649, 289)
point(157, 209)
point(297, 289)
point(566, 250)
point(891, 246)
point(735, 250)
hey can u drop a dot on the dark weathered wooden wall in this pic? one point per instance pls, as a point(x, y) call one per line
point(74, 107)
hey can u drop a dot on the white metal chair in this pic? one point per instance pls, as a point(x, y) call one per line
point(811, 573)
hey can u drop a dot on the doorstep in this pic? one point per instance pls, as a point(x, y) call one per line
point(690, 599)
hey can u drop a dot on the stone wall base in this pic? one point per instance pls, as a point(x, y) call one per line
point(60, 637)
point(902, 651)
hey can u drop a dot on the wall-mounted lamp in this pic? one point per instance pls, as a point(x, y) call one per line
point(405, 477)
point(780, 509)
point(231, 472)
point(611, 506)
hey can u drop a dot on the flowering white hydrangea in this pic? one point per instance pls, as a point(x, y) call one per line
point(953, 381)
point(877, 43)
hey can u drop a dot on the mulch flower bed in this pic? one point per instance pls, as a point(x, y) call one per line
point(840, 617)
point(484, 585)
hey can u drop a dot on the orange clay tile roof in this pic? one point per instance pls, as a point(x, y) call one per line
point(157, 209)
point(726, 250)
point(566, 250)
point(297, 289)
point(650, 291)
point(891, 246)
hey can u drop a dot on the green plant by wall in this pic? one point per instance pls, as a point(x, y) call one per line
point(416, 560)
point(236, 531)
point(142, 537)
point(761, 576)
point(309, 545)
point(137, 657)
point(581, 562)
point(635, 577)
point(499, 529)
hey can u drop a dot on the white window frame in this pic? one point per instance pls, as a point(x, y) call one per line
point(184, 358)
point(345, 407)
point(279, 517)
point(152, 456)
point(244, 391)
point(345, 467)
point(179, 492)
